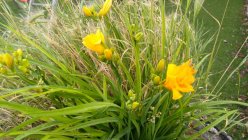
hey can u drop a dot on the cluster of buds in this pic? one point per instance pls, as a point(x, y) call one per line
point(9, 62)
point(131, 103)
point(159, 69)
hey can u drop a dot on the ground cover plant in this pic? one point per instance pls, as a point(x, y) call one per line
point(110, 70)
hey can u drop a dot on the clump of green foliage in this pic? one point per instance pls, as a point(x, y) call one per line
point(117, 95)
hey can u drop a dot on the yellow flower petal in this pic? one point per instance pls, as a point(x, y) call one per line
point(176, 95)
point(88, 11)
point(106, 7)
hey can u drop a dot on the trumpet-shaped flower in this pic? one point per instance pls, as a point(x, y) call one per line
point(88, 11)
point(180, 79)
point(95, 42)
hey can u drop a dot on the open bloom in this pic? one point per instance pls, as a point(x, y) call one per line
point(95, 42)
point(180, 79)
point(90, 11)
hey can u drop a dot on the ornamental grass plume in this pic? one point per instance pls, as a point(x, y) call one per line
point(180, 79)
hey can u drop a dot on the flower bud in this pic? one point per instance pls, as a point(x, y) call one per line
point(138, 36)
point(19, 52)
point(23, 69)
point(25, 63)
point(3, 70)
point(135, 105)
point(156, 80)
point(8, 60)
point(131, 93)
point(108, 54)
point(160, 66)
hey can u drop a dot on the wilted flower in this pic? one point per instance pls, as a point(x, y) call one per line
point(180, 79)
point(95, 42)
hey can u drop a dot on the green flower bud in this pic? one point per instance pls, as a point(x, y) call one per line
point(23, 69)
point(3, 71)
point(135, 105)
point(156, 80)
point(25, 63)
point(160, 66)
point(138, 36)
point(130, 93)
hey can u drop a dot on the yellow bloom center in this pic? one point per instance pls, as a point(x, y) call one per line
point(180, 79)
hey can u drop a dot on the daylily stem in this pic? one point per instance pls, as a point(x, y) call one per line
point(138, 71)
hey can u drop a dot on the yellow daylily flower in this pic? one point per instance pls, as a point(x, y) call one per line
point(180, 79)
point(105, 8)
point(95, 42)
point(88, 11)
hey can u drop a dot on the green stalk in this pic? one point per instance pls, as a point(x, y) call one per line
point(138, 71)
